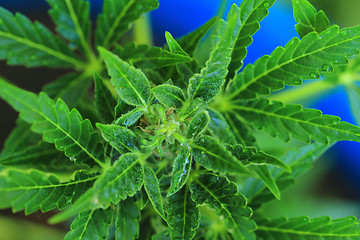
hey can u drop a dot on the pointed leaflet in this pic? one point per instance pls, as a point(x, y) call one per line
point(169, 95)
point(251, 13)
point(131, 117)
point(251, 156)
point(299, 160)
point(151, 184)
point(31, 44)
point(72, 20)
point(284, 121)
point(58, 125)
point(304, 228)
point(181, 171)
point(219, 128)
point(264, 174)
point(131, 84)
point(148, 57)
point(207, 84)
point(240, 128)
point(127, 220)
point(221, 194)
point(34, 190)
point(308, 19)
point(209, 153)
point(182, 215)
point(91, 225)
point(118, 182)
point(120, 138)
point(116, 17)
point(190, 41)
point(174, 46)
point(197, 125)
point(299, 59)
point(104, 100)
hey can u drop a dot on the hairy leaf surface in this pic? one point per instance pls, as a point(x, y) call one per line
point(181, 171)
point(58, 125)
point(131, 117)
point(197, 125)
point(305, 228)
point(221, 194)
point(169, 95)
point(31, 44)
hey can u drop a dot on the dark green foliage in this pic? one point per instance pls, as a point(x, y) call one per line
point(174, 149)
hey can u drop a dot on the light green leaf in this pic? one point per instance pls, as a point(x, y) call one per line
point(222, 195)
point(118, 182)
point(182, 215)
point(284, 121)
point(131, 84)
point(251, 156)
point(131, 117)
point(72, 19)
point(152, 188)
point(35, 190)
point(219, 128)
point(209, 153)
point(265, 176)
point(148, 57)
point(193, 108)
point(190, 41)
point(127, 220)
point(169, 95)
point(252, 13)
point(104, 100)
point(304, 228)
point(197, 125)
point(91, 225)
point(58, 125)
point(116, 17)
point(174, 46)
point(120, 138)
point(207, 84)
point(240, 128)
point(308, 19)
point(181, 171)
point(31, 44)
point(299, 59)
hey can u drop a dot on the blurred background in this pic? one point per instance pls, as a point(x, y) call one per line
point(332, 188)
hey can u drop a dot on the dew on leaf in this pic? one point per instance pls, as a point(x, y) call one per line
point(327, 68)
point(266, 5)
point(315, 75)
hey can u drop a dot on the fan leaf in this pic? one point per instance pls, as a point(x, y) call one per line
point(181, 171)
point(169, 95)
point(127, 220)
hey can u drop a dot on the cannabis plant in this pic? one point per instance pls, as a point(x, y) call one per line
point(163, 146)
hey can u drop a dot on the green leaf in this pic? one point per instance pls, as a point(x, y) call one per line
point(181, 171)
point(122, 74)
point(148, 57)
point(104, 100)
point(240, 128)
point(308, 19)
point(299, 59)
point(265, 176)
point(284, 121)
point(219, 128)
point(207, 84)
point(251, 14)
point(118, 182)
point(116, 17)
point(35, 190)
point(161, 236)
point(131, 117)
point(169, 95)
point(70, 87)
point(182, 215)
point(174, 46)
point(127, 220)
point(120, 138)
point(31, 44)
point(194, 107)
point(209, 153)
point(251, 156)
point(222, 195)
point(91, 225)
point(58, 125)
point(72, 21)
point(151, 184)
point(190, 41)
point(197, 125)
point(305, 228)
point(299, 160)
point(353, 92)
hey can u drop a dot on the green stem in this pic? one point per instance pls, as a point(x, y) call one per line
point(305, 91)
